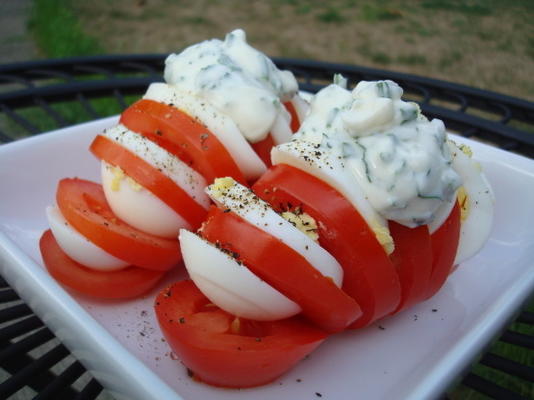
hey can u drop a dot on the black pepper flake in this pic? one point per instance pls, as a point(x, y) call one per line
point(298, 380)
point(415, 317)
point(190, 373)
point(381, 328)
point(159, 133)
point(142, 334)
point(181, 320)
point(434, 310)
point(227, 210)
point(318, 394)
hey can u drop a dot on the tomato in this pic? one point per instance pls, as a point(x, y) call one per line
point(283, 268)
point(150, 178)
point(444, 246)
point(295, 123)
point(124, 283)
point(413, 259)
point(84, 206)
point(369, 275)
point(222, 350)
point(263, 149)
point(183, 136)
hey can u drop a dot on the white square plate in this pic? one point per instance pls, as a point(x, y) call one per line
point(414, 355)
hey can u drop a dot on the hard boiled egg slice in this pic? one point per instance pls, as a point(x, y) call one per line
point(301, 103)
point(229, 194)
point(230, 285)
point(78, 247)
point(330, 169)
point(477, 205)
point(221, 125)
point(138, 206)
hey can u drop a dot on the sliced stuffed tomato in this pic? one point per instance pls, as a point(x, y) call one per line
point(412, 258)
point(151, 178)
point(369, 275)
point(444, 247)
point(124, 283)
point(223, 350)
point(273, 261)
point(84, 206)
point(183, 136)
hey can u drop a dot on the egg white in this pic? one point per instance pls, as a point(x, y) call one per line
point(222, 126)
point(329, 169)
point(231, 286)
point(476, 228)
point(78, 247)
point(301, 103)
point(140, 208)
point(260, 214)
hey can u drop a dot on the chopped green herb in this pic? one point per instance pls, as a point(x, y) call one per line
point(383, 89)
point(364, 155)
point(408, 114)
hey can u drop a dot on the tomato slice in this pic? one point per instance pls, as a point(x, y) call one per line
point(369, 275)
point(444, 246)
point(413, 259)
point(263, 149)
point(84, 206)
point(295, 122)
point(124, 283)
point(225, 351)
point(283, 268)
point(183, 136)
point(150, 178)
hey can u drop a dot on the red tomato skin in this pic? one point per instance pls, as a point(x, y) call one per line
point(201, 337)
point(322, 302)
point(412, 258)
point(84, 206)
point(121, 284)
point(150, 178)
point(444, 246)
point(183, 136)
point(295, 123)
point(369, 275)
point(263, 149)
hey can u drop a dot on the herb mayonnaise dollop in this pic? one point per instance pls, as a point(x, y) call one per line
point(238, 80)
point(398, 157)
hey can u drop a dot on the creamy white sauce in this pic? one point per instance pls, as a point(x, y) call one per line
point(398, 158)
point(236, 79)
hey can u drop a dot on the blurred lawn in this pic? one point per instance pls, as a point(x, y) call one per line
point(487, 44)
point(483, 43)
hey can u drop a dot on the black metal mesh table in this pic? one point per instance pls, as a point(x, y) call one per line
point(43, 95)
